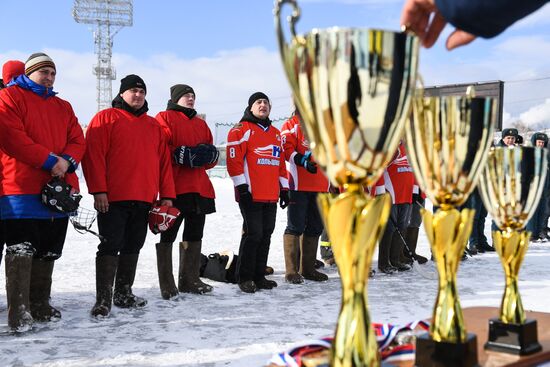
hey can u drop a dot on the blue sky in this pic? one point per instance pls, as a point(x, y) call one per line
point(227, 49)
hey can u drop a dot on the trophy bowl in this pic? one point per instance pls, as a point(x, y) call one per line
point(353, 90)
point(447, 142)
point(511, 187)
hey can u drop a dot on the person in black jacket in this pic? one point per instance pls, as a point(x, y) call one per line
point(539, 221)
point(471, 18)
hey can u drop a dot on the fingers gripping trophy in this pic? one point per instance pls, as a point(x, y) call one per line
point(353, 89)
point(448, 138)
point(511, 186)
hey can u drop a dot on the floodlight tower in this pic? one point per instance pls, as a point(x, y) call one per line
point(108, 18)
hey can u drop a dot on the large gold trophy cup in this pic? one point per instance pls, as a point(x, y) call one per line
point(511, 187)
point(447, 142)
point(352, 87)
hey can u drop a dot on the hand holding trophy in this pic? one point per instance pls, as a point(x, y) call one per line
point(447, 142)
point(511, 187)
point(352, 88)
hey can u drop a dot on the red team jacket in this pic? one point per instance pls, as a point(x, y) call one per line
point(294, 141)
point(180, 130)
point(32, 128)
point(399, 177)
point(255, 157)
point(127, 157)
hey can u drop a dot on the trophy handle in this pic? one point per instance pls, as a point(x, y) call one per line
point(292, 20)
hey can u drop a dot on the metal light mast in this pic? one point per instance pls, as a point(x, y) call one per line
point(108, 18)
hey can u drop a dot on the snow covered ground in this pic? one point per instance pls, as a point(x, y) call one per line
point(228, 327)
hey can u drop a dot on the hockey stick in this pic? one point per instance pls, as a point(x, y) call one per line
point(418, 268)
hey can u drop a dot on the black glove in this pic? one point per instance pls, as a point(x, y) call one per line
point(284, 199)
point(196, 156)
point(182, 156)
point(245, 197)
point(204, 154)
point(304, 160)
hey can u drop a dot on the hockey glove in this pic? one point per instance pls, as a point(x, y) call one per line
point(182, 156)
point(304, 160)
point(284, 199)
point(245, 197)
point(204, 154)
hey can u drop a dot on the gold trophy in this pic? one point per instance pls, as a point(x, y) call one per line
point(447, 142)
point(353, 90)
point(511, 186)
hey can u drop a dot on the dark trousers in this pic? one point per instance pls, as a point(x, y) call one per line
point(303, 215)
point(477, 237)
point(536, 224)
point(124, 228)
point(400, 216)
point(193, 228)
point(47, 236)
point(2, 238)
point(416, 215)
point(259, 223)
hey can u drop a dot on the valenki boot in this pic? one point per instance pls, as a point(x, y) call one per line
point(125, 275)
point(41, 286)
point(189, 269)
point(167, 284)
point(291, 244)
point(18, 263)
point(309, 255)
point(105, 271)
point(396, 252)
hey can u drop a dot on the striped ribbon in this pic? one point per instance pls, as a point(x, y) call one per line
point(395, 343)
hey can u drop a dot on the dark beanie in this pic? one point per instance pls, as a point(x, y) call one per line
point(131, 81)
point(510, 132)
point(36, 61)
point(178, 90)
point(253, 98)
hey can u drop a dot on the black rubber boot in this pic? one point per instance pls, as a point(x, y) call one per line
point(105, 270)
point(125, 275)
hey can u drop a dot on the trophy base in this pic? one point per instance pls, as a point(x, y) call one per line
point(442, 354)
point(520, 339)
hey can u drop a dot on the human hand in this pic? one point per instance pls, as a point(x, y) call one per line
point(415, 17)
point(60, 168)
point(284, 199)
point(101, 202)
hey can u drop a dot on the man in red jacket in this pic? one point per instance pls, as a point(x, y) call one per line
point(126, 166)
point(304, 223)
point(191, 144)
point(256, 165)
point(10, 70)
point(41, 138)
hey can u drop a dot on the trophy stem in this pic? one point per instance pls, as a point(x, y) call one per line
point(448, 231)
point(511, 247)
point(354, 223)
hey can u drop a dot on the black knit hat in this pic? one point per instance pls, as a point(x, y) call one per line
point(131, 81)
point(178, 90)
point(510, 132)
point(254, 97)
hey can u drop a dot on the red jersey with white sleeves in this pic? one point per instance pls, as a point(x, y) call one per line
point(255, 158)
point(399, 178)
point(294, 142)
point(181, 130)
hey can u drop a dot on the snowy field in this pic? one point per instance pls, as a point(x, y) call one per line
point(228, 327)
